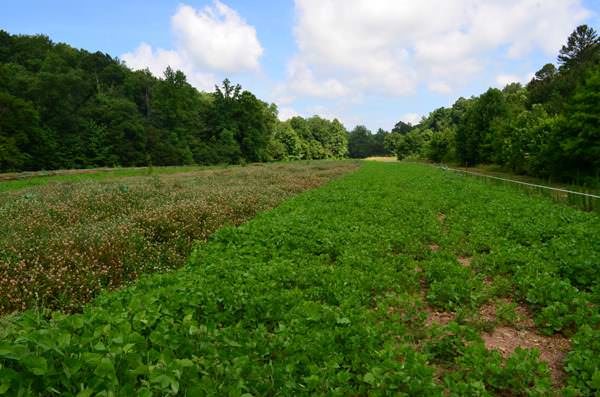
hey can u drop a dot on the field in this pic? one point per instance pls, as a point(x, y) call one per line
point(20, 180)
point(64, 238)
point(397, 279)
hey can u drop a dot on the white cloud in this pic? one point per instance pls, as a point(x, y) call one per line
point(503, 80)
point(388, 47)
point(439, 87)
point(157, 61)
point(301, 80)
point(209, 41)
point(286, 113)
point(411, 118)
point(217, 38)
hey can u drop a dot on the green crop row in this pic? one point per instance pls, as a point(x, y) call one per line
point(329, 294)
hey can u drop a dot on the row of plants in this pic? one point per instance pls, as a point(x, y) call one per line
point(329, 294)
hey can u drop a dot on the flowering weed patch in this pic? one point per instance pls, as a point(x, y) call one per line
point(61, 243)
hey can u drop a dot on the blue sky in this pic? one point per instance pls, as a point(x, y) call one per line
point(369, 62)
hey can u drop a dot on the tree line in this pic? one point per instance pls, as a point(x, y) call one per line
point(61, 107)
point(548, 128)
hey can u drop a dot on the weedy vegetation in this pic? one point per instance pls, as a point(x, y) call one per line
point(393, 280)
point(63, 242)
point(20, 180)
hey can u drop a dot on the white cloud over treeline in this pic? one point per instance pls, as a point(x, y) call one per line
point(389, 47)
point(208, 41)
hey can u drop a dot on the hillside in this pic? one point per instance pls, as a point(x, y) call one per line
point(66, 108)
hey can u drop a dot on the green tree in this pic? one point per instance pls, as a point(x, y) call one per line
point(290, 141)
point(583, 46)
point(402, 128)
point(24, 144)
point(441, 145)
point(360, 142)
point(474, 134)
point(379, 143)
point(579, 133)
point(542, 88)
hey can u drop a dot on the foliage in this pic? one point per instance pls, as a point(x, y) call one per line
point(546, 129)
point(362, 143)
point(582, 47)
point(583, 363)
point(62, 243)
point(326, 295)
point(67, 108)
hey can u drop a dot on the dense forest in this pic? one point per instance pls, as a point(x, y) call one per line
point(66, 108)
point(549, 128)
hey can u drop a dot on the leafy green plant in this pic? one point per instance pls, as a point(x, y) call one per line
point(329, 293)
point(506, 314)
point(583, 362)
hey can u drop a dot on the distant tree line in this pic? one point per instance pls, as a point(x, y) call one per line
point(550, 128)
point(363, 143)
point(66, 108)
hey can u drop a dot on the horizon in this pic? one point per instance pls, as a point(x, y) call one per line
point(370, 64)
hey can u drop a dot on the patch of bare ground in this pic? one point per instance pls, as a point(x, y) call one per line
point(441, 217)
point(439, 318)
point(522, 320)
point(434, 247)
point(434, 316)
point(523, 334)
point(465, 261)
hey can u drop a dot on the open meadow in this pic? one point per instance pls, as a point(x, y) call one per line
point(396, 279)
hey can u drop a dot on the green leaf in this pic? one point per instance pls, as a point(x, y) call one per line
point(185, 363)
point(595, 382)
point(105, 369)
point(369, 378)
point(37, 365)
point(4, 386)
point(85, 393)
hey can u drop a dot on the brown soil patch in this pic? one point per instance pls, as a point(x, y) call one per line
point(523, 334)
point(434, 247)
point(441, 217)
point(465, 261)
point(487, 312)
point(440, 318)
point(552, 348)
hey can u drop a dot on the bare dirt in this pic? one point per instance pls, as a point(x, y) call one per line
point(465, 261)
point(441, 217)
point(440, 318)
point(523, 334)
